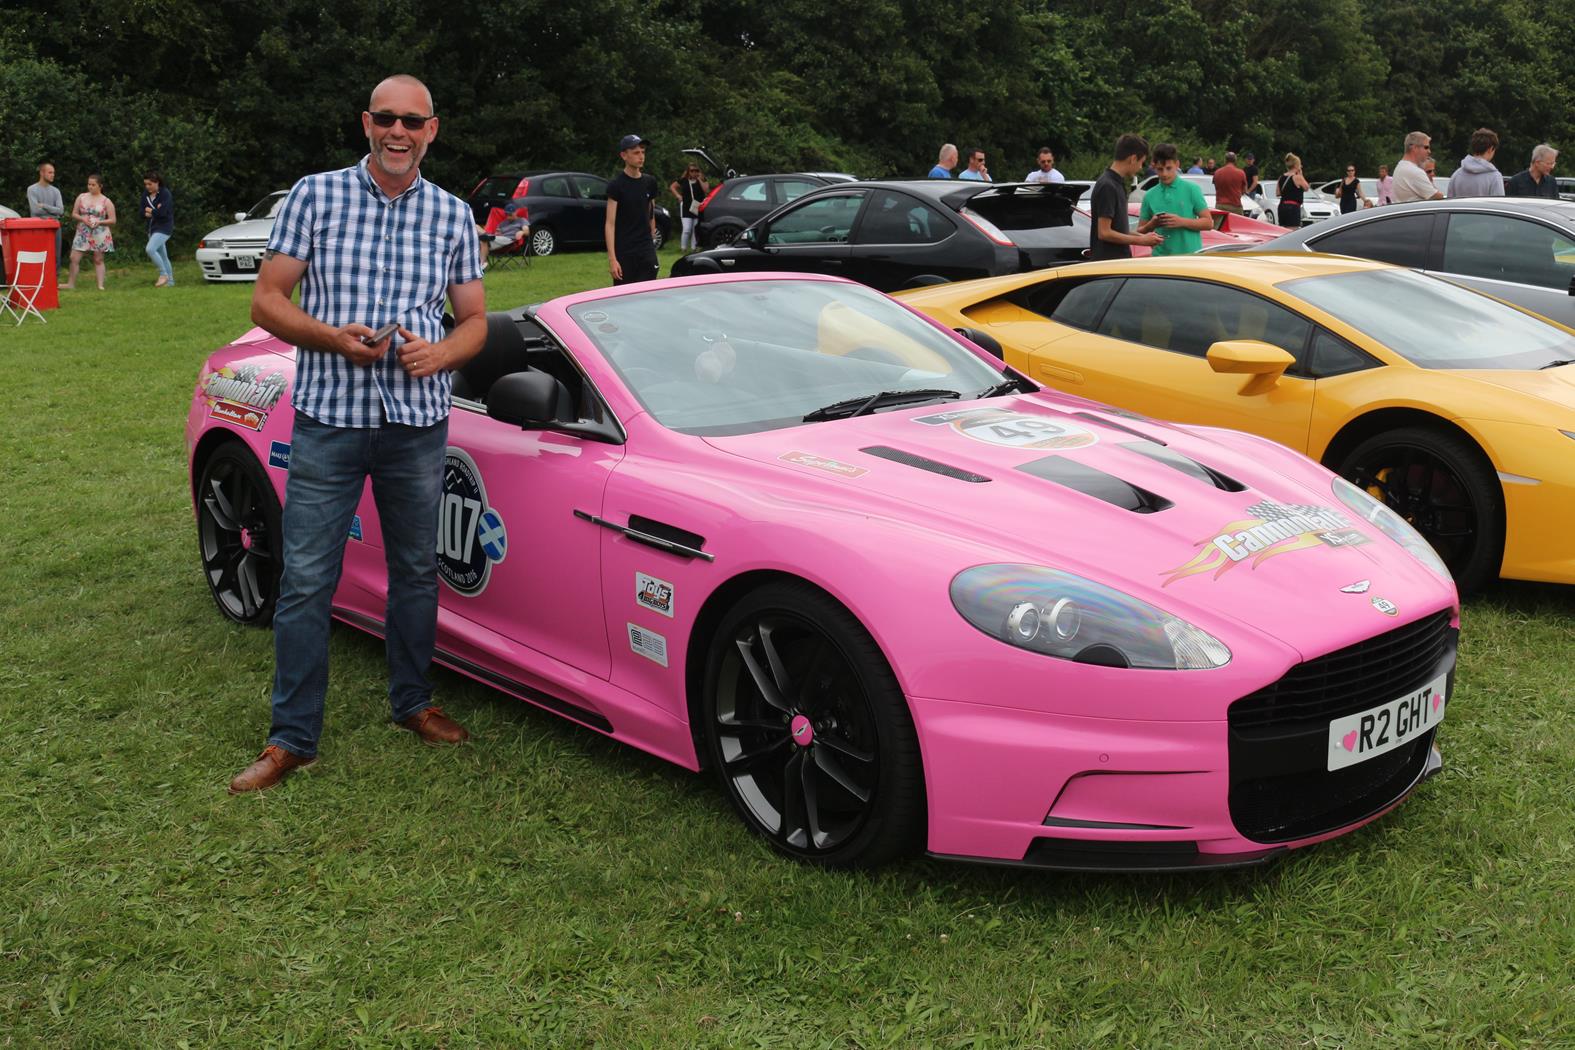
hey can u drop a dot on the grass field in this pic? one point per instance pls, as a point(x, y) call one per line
point(547, 887)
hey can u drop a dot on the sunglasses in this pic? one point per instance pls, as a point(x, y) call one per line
point(386, 120)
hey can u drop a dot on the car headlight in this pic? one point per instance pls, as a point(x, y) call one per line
point(212, 244)
point(1058, 614)
point(1376, 512)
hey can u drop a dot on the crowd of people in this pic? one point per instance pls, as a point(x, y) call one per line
point(1171, 226)
point(95, 217)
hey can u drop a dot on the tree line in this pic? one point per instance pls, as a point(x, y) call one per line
point(230, 99)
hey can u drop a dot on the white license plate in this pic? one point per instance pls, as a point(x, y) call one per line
point(1368, 734)
point(246, 262)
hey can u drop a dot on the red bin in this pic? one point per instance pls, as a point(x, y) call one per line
point(33, 235)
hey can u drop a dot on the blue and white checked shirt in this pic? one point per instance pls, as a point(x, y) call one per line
point(371, 260)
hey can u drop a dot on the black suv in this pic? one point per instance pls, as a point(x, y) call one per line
point(904, 234)
point(566, 209)
point(738, 202)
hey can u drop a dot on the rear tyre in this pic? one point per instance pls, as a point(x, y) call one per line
point(543, 241)
point(239, 535)
point(1445, 487)
point(809, 732)
point(658, 237)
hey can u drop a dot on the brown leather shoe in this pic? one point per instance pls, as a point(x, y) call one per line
point(434, 727)
point(272, 766)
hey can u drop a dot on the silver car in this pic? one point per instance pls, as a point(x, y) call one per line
point(233, 253)
point(1521, 249)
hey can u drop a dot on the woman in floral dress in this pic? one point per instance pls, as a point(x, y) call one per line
point(95, 214)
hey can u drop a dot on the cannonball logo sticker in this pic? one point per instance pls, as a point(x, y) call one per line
point(471, 535)
point(1013, 429)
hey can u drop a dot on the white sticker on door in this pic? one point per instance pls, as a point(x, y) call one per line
point(653, 594)
point(648, 644)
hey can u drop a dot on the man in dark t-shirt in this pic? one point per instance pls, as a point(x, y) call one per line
point(1108, 237)
point(630, 230)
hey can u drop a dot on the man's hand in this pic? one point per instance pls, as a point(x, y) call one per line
point(347, 343)
point(1150, 239)
point(1167, 220)
point(419, 357)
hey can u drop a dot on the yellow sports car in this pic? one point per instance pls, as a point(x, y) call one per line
point(1449, 405)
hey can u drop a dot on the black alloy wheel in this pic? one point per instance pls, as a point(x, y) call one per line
point(239, 535)
point(1444, 486)
point(543, 241)
point(809, 732)
point(724, 235)
point(657, 237)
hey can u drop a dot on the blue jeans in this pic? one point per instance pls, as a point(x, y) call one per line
point(160, 255)
point(328, 471)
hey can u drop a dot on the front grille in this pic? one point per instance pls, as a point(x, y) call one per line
point(1348, 680)
point(1280, 784)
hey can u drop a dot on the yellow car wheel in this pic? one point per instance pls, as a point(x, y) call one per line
point(1445, 487)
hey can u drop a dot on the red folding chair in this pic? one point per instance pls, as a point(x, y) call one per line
point(20, 297)
point(514, 251)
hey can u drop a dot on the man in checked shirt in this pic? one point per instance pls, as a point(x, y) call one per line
point(369, 245)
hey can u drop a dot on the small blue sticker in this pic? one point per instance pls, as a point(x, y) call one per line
point(279, 455)
point(494, 541)
point(355, 527)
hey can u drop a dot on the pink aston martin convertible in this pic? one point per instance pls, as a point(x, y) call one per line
point(893, 594)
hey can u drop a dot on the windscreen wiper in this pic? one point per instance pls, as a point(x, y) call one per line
point(1555, 364)
point(1012, 384)
point(863, 406)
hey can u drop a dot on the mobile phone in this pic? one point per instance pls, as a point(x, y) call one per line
point(382, 333)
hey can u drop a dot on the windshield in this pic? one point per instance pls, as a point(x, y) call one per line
point(745, 356)
point(268, 207)
point(1433, 323)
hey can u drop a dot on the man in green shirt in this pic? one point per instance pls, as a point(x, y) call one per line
point(1174, 207)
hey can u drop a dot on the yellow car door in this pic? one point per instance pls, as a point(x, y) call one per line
point(1141, 343)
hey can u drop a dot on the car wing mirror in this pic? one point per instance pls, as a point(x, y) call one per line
point(1263, 363)
point(240, 216)
point(528, 400)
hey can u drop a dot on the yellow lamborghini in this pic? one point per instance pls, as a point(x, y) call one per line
point(1456, 409)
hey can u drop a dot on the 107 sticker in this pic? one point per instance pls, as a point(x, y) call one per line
point(471, 537)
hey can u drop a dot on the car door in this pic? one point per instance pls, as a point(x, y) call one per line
point(898, 238)
point(554, 204)
point(811, 237)
point(517, 568)
point(1144, 350)
point(1524, 261)
point(590, 195)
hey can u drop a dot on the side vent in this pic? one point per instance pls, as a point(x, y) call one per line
point(1185, 464)
point(896, 455)
point(1096, 483)
point(1102, 421)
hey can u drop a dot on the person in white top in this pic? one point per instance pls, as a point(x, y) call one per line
point(1410, 181)
point(1046, 171)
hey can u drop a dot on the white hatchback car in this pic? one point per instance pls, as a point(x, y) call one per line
point(233, 253)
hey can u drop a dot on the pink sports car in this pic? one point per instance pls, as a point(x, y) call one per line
point(895, 596)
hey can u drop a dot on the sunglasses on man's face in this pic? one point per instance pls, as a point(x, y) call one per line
point(386, 120)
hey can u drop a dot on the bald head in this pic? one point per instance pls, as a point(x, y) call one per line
point(399, 82)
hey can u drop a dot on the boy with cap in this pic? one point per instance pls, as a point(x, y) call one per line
point(630, 230)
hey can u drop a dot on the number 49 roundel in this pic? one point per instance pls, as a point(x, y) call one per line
point(471, 537)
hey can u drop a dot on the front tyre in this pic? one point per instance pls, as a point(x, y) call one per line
point(1445, 487)
point(543, 241)
point(809, 731)
point(239, 535)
